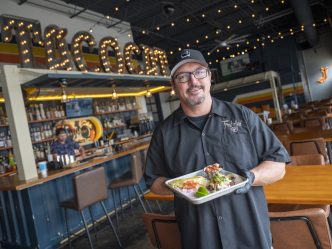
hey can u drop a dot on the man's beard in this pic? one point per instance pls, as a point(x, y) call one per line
point(199, 99)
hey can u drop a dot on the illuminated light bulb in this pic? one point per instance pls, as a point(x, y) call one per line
point(171, 52)
point(263, 44)
point(208, 53)
point(240, 21)
point(188, 20)
point(210, 63)
point(325, 19)
point(227, 48)
point(143, 32)
point(203, 15)
point(252, 1)
point(235, 6)
point(197, 41)
point(267, 9)
point(116, 8)
point(228, 26)
point(219, 10)
point(272, 41)
point(253, 15)
point(247, 42)
point(254, 47)
point(129, 35)
point(282, 1)
point(206, 37)
point(237, 45)
point(188, 45)
point(314, 24)
point(217, 60)
point(172, 24)
point(281, 37)
point(172, 92)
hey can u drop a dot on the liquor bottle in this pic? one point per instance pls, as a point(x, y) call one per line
point(8, 139)
point(11, 161)
point(62, 111)
point(38, 116)
point(42, 111)
point(2, 165)
point(2, 140)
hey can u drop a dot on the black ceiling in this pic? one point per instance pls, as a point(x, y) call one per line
point(199, 23)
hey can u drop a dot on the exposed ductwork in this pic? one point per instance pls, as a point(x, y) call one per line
point(303, 14)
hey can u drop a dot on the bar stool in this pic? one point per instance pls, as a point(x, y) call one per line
point(131, 181)
point(89, 188)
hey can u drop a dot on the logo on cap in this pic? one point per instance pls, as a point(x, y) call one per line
point(185, 54)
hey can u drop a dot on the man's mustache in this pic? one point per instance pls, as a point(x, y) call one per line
point(195, 87)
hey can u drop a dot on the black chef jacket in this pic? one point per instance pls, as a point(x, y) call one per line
point(236, 138)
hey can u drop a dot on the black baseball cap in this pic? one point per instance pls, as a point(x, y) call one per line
point(188, 55)
point(60, 131)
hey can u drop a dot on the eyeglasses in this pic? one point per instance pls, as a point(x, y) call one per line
point(184, 77)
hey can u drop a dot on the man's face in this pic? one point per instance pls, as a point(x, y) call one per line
point(62, 137)
point(194, 91)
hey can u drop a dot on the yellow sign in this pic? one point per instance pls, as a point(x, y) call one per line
point(83, 130)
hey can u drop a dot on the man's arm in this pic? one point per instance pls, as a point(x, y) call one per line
point(268, 172)
point(159, 187)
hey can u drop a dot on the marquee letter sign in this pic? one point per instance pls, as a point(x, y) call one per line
point(58, 56)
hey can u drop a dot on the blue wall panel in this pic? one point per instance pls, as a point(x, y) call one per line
point(32, 218)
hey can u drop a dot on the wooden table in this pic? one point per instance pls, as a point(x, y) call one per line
point(301, 185)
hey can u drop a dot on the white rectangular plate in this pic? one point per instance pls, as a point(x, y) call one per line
point(239, 182)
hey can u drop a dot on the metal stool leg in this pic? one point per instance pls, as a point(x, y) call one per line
point(120, 198)
point(157, 202)
point(129, 197)
point(146, 201)
point(111, 223)
point(93, 222)
point(86, 229)
point(68, 234)
point(115, 209)
point(139, 198)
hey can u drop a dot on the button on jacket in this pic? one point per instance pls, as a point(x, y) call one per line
point(236, 138)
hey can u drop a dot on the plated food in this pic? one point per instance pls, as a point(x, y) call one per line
point(211, 181)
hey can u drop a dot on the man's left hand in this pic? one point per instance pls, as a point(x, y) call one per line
point(251, 178)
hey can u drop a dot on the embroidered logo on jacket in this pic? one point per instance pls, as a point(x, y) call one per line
point(232, 125)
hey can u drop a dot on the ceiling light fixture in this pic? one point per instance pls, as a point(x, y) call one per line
point(64, 96)
point(148, 92)
point(114, 94)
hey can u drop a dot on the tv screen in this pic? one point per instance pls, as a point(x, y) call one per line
point(79, 107)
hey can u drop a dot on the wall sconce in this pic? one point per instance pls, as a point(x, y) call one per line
point(148, 92)
point(114, 94)
point(64, 96)
point(323, 78)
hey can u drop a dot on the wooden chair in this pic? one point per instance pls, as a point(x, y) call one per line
point(163, 230)
point(283, 128)
point(89, 188)
point(315, 122)
point(300, 229)
point(310, 159)
point(308, 146)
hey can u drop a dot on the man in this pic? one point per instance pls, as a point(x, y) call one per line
point(63, 145)
point(203, 131)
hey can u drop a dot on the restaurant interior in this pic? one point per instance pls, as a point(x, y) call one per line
point(100, 70)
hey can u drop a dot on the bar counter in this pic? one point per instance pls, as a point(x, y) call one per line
point(30, 212)
point(12, 182)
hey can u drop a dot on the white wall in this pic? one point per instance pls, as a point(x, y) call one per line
point(59, 15)
point(310, 61)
